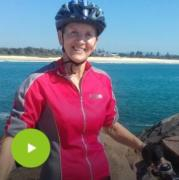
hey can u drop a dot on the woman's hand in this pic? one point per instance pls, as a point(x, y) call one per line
point(152, 153)
point(7, 162)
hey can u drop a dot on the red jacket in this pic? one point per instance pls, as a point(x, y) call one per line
point(71, 119)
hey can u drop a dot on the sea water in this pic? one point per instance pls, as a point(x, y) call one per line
point(145, 93)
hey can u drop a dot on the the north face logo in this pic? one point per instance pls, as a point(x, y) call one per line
point(96, 96)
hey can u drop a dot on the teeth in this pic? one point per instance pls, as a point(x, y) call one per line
point(79, 49)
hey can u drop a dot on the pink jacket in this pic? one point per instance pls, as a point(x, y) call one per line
point(71, 119)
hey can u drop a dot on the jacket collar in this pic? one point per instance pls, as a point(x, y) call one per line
point(61, 67)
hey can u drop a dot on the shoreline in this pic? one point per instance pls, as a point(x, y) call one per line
point(118, 60)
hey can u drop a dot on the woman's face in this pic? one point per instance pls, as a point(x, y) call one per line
point(79, 41)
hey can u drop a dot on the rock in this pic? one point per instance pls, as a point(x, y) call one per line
point(166, 133)
point(165, 128)
point(172, 143)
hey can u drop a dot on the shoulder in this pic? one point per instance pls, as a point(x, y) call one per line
point(37, 76)
point(101, 74)
point(44, 70)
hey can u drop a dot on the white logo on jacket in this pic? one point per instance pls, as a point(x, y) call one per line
point(96, 96)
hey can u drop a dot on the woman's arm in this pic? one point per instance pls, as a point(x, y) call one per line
point(124, 136)
point(7, 162)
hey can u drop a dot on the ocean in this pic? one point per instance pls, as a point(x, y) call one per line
point(145, 93)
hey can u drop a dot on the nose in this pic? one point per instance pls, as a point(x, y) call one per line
point(81, 37)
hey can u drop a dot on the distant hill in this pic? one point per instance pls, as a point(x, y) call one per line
point(42, 52)
point(30, 51)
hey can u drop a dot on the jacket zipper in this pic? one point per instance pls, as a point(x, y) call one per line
point(82, 136)
point(84, 123)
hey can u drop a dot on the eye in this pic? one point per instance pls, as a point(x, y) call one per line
point(89, 35)
point(73, 33)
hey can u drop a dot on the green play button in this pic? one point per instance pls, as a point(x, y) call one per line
point(30, 148)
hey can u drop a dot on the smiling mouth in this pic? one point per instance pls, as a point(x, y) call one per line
point(79, 50)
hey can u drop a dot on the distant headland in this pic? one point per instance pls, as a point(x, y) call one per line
point(30, 54)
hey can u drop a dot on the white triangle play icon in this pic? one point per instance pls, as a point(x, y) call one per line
point(30, 148)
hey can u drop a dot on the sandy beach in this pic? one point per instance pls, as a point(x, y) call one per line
point(119, 60)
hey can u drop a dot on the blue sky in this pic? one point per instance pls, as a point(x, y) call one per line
point(144, 25)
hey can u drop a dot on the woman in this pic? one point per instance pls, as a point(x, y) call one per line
point(70, 101)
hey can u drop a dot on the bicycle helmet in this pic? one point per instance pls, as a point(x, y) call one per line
point(80, 11)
